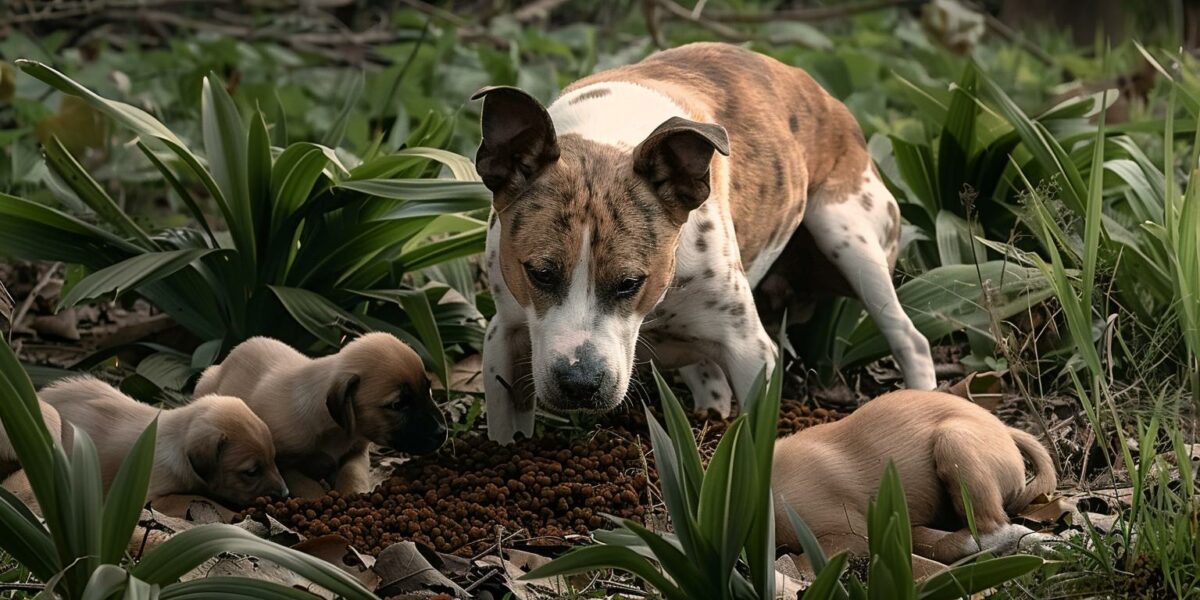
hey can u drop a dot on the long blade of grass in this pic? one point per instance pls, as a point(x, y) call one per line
point(595, 558)
point(127, 495)
point(86, 188)
point(130, 274)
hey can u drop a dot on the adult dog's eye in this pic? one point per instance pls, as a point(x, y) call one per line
point(542, 276)
point(630, 286)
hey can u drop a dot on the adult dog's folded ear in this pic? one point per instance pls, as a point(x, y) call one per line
point(675, 159)
point(518, 140)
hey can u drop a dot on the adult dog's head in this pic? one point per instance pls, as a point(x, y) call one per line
point(380, 392)
point(588, 236)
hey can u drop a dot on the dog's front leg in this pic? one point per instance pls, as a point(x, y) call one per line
point(745, 348)
point(710, 389)
point(510, 403)
point(354, 474)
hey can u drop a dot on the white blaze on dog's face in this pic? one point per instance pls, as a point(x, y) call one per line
point(588, 236)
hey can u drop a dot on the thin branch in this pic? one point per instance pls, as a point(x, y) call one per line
point(822, 13)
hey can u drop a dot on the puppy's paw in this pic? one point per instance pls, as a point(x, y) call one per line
point(1039, 544)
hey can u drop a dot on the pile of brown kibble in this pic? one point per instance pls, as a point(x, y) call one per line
point(460, 499)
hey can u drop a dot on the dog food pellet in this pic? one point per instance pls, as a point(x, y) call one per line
point(543, 489)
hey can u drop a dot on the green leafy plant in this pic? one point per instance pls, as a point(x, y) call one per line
point(315, 236)
point(78, 548)
point(721, 515)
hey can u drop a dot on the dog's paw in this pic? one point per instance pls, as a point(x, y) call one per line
point(1038, 544)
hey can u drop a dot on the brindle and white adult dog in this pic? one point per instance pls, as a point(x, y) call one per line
point(647, 203)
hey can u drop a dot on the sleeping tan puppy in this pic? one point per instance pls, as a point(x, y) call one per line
point(827, 474)
point(9, 463)
point(324, 412)
point(214, 447)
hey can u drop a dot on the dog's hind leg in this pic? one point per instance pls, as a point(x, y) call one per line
point(852, 230)
point(959, 457)
point(710, 389)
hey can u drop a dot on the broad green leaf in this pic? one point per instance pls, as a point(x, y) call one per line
point(826, 586)
point(726, 509)
point(231, 588)
point(105, 582)
point(955, 143)
point(32, 231)
point(168, 370)
point(90, 192)
point(181, 191)
point(131, 273)
point(316, 314)
point(472, 195)
point(951, 298)
point(917, 168)
point(972, 578)
point(808, 541)
point(189, 549)
point(23, 536)
point(21, 416)
point(956, 241)
point(683, 570)
point(596, 558)
point(127, 495)
point(85, 495)
point(225, 143)
point(416, 305)
point(682, 440)
point(337, 130)
point(672, 485)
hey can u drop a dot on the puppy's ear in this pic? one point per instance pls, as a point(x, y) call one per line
point(518, 140)
point(340, 401)
point(675, 160)
point(204, 453)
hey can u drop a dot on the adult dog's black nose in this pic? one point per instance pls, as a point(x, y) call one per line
point(579, 382)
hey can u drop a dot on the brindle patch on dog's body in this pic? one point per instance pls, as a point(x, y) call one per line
point(793, 150)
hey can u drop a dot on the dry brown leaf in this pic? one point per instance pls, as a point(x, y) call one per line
point(336, 550)
point(982, 388)
point(402, 568)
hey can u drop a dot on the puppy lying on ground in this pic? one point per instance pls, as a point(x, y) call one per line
point(9, 463)
point(324, 412)
point(827, 473)
point(215, 446)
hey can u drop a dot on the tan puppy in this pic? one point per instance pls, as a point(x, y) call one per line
point(324, 412)
point(9, 463)
point(214, 446)
point(828, 473)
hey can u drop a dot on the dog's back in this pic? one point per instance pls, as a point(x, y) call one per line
point(8, 455)
point(252, 370)
point(93, 406)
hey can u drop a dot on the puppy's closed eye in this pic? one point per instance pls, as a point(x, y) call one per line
point(252, 472)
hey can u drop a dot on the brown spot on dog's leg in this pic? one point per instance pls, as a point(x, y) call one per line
point(701, 244)
point(794, 123)
point(866, 201)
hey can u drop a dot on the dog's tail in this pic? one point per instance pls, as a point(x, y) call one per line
point(1044, 481)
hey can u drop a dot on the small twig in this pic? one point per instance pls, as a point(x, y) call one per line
point(538, 9)
point(33, 294)
point(21, 587)
point(823, 13)
point(650, 17)
point(724, 31)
